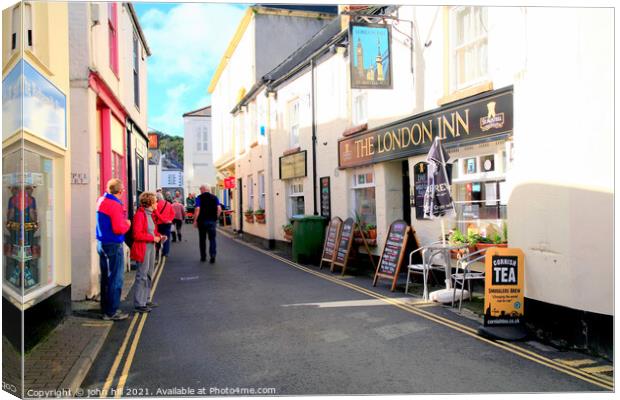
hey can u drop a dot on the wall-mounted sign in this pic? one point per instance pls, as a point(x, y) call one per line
point(81, 178)
point(153, 140)
point(44, 106)
point(229, 183)
point(371, 57)
point(154, 156)
point(325, 197)
point(293, 165)
point(503, 295)
point(460, 123)
point(420, 179)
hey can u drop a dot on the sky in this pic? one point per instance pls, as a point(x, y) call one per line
point(187, 41)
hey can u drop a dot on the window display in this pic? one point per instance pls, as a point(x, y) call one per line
point(29, 222)
point(364, 204)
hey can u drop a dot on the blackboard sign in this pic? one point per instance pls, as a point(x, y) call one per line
point(344, 245)
point(331, 241)
point(393, 252)
point(420, 182)
point(325, 197)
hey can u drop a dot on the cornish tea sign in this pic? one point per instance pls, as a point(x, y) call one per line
point(503, 296)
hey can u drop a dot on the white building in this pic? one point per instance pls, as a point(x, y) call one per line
point(198, 165)
point(524, 111)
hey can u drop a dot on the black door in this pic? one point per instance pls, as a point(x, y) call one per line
point(240, 213)
point(407, 200)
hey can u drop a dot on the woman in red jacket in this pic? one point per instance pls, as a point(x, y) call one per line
point(143, 250)
point(164, 216)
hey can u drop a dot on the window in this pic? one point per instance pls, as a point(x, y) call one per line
point(364, 205)
point(261, 190)
point(469, 45)
point(296, 198)
point(29, 223)
point(202, 139)
point(360, 107)
point(294, 122)
point(250, 192)
point(117, 165)
point(113, 37)
point(139, 173)
point(172, 180)
point(136, 70)
point(28, 23)
point(15, 26)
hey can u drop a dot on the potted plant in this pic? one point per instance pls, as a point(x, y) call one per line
point(457, 237)
point(371, 231)
point(494, 240)
point(249, 215)
point(288, 232)
point(259, 215)
point(361, 225)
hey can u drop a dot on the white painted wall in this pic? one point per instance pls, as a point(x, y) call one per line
point(198, 166)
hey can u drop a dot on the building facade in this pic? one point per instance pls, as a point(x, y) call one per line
point(264, 37)
point(108, 55)
point(198, 168)
point(36, 170)
point(492, 83)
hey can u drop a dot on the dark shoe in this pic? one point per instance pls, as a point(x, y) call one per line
point(203, 259)
point(118, 316)
point(150, 304)
point(143, 309)
point(212, 260)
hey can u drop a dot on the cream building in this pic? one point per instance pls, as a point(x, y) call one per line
point(109, 82)
point(36, 136)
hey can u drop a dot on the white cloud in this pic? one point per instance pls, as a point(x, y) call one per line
point(171, 121)
point(189, 40)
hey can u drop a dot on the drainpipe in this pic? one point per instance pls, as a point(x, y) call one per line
point(312, 67)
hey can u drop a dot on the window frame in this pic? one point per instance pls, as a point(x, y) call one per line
point(297, 184)
point(261, 190)
point(251, 192)
point(358, 118)
point(15, 28)
point(468, 43)
point(113, 37)
point(29, 33)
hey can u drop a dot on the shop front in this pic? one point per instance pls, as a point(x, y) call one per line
point(388, 171)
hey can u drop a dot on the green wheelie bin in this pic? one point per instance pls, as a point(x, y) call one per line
point(308, 236)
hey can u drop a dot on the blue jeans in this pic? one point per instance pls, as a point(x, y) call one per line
point(111, 264)
point(208, 228)
point(164, 229)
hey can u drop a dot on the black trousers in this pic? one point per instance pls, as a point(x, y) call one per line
point(207, 228)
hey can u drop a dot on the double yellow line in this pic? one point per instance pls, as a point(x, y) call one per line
point(134, 345)
point(507, 346)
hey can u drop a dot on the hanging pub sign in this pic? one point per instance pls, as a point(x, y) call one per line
point(293, 165)
point(331, 241)
point(371, 56)
point(325, 197)
point(229, 183)
point(481, 118)
point(503, 296)
point(393, 252)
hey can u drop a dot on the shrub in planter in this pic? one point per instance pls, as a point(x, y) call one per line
point(371, 231)
point(493, 241)
point(249, 215)
point(260, 216)
point(288, 232)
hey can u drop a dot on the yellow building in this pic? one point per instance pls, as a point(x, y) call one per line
point(36, 169)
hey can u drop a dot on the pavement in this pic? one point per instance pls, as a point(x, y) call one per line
point(255, 323)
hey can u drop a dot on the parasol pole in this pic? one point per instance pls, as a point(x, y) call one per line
point(445, 173)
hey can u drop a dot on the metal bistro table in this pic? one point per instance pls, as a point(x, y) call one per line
point(444, 250)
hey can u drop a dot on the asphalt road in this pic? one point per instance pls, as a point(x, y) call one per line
point(250, 321)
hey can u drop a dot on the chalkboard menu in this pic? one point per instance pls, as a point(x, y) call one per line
point(331, 240)
point(420, 182)
point(393, 252)
point(325, 197)
point(344, 246)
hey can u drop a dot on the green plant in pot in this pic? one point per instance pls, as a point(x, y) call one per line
point(371, 231)
point(249, 215)
point(260, 216)
point(288, 231)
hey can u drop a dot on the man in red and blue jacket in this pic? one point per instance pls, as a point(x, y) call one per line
point(111, 228)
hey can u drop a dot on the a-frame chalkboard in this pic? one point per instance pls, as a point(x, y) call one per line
point(332, 239)
point(343, 251)
point(393, 252)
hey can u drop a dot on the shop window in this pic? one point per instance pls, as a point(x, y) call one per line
point(294, 123)
point(113, 36)
point(250, 192)
point(360, 108)
point(117, 165)
point(487, 163)
point(136, 71)
point(261, 190)
point(364, 204)
point(297, 204)
point(29, 226)
point(470, 166)
point(469, 45)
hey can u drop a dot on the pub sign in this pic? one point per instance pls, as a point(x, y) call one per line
point(371, 57)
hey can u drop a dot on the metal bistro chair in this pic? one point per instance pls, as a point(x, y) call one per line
point(422, 269)
point(465, 274)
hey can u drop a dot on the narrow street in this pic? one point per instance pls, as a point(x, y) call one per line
point(251, 321)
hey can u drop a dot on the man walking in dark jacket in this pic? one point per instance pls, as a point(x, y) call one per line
point(111, 228)
point(207, 212)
